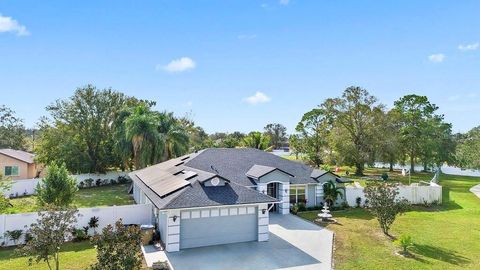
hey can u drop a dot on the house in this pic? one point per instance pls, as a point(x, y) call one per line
point(220, 196)
point(17, 164)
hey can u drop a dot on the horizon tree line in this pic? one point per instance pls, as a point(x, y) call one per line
point(96, 130)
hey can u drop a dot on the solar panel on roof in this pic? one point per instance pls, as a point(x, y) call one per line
point(189, 174)
point(169, 185)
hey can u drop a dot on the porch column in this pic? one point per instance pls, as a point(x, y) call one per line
point(263, 220)
point(172, 241)
point(284, 197)
point(319, 193)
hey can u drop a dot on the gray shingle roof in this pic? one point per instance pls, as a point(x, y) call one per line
point(239, 166)
point(233, 164)
point(19, 154)
point(230, 194)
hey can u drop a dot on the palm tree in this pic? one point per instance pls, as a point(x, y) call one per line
point(147, 142)
point(256, 139)
point(331, 192)
point(176, 139)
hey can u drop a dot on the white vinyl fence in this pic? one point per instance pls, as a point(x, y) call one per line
point(130, 214)
point(27, 186)
point(415, 194)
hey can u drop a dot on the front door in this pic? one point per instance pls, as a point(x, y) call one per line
point(272, 191)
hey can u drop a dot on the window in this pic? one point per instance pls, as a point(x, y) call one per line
point(297, 194)
point(11, 170)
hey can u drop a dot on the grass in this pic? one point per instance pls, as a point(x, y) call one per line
point(88, 197)
point(74, 256)
point(445, 237)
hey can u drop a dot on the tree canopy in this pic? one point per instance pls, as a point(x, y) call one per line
point(12, 130)
point(57, 188)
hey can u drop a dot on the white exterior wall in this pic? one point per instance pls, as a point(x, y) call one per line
point(284, 183)
point(413, 194)
point(130, 214)
point(170, 227)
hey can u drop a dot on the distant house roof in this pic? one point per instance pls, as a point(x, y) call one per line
point(19, 154)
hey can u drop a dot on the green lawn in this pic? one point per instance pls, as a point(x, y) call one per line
point(88, 197)
point(74, 256)
point(446, 237)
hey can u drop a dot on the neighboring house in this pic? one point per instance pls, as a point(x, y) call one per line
point(220, 196)
point(17, 164)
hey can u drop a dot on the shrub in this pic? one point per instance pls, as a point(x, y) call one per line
point(113, 181)
point(93, 223)
point(385, 176)
point(118, 247)
point(405, 241)
point(302, 207)
point(344, 205)
point(85, 229)
point(98, 182)
point(358, 201)
point(79, 235)
point(160, 266)
point(294, 209)
point(123, 179)
point(89, 182)
point(14, 235)
point(81, 185)
point(57, 188)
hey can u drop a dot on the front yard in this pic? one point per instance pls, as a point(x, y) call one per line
point(88, 197)
point(446, 236)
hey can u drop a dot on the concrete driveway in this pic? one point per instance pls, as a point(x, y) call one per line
point(294, 244)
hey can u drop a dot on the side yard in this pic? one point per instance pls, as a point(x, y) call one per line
point(87, 197)
point(74, 256)
point(445, 237)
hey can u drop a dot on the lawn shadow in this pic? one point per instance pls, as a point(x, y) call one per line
point(353, 213)
point(441, 254)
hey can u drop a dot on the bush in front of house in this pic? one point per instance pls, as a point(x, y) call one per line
point(358, 201)
point(294, 209)
point(118, 247)
point(384, 176)
point(161, 266)
point(302, 207)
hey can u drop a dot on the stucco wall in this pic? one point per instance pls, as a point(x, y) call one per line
point(23, 172)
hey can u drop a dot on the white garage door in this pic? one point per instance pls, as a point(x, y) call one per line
point(218, 226)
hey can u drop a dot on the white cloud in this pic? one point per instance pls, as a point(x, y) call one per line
point(468, 47)
point(189, 103)
point(7, 24)
point(259, 97)
point(437, 58)
point(284, 2)
point(178, 65)
point(252, 36)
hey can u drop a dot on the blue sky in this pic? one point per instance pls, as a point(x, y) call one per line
point(238, 65)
